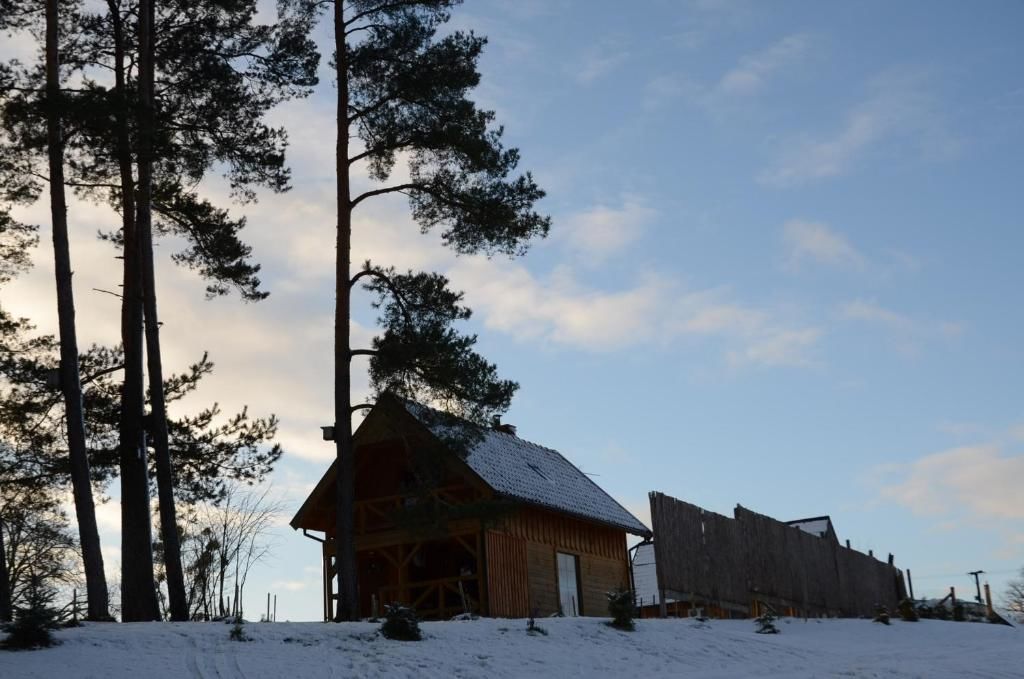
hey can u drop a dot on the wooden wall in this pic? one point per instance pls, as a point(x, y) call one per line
point(711, 558)
point(603, 561)
point(507, 582)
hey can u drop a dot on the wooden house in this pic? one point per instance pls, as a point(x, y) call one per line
point(515, 528)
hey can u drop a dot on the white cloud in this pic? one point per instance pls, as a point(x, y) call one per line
point(289, 585)
point(602, 231)
point(752, 72)
point(906, 331)
point(818, 242)
point(897, 107)
point(779, 348)
point(598, 61)
point(871, 312)
point(655, 311)
point(981, 481)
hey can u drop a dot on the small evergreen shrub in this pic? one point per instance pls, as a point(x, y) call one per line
point(401, 623)
point(908, 612)
point(31, 628)
point(958, 613)
point(238, 631)
point(941, 612)
point(766, 622)
point(622, 609)
point(533, 629)
point(882, 615)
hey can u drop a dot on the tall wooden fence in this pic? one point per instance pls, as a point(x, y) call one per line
point(710, 559)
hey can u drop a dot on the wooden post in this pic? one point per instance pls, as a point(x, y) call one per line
point(267, 619)
point(988, 601)
point(662, 606)
point(910, 584)
point(275, 608)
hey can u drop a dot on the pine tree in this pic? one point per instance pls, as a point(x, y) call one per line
point(402, 89)
point(49, 100)
point(216, 73)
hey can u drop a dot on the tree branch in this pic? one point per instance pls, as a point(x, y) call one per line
point(388, 189)
point(383, 278)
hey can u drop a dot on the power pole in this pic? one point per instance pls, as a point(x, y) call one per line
point(977, 584)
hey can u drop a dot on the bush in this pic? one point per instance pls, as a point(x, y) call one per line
point(766, 622)
point(622, 609)
point(237, 631)
point(31, 628)
point(401, 623)
point(882, 615)
point(533, 629)
point(958, 613)
point(908, 612)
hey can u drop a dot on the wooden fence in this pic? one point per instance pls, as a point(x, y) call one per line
point(709, 559)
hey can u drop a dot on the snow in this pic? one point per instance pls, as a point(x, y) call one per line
point(573, 647)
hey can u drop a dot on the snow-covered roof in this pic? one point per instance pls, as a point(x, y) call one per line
point(818, 526)
point(532, 473)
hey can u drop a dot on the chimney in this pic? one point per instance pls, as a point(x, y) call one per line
point(497, 425)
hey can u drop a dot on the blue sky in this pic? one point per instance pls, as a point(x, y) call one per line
point(782, 271)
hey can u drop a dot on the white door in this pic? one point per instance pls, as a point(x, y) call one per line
point(568, 584)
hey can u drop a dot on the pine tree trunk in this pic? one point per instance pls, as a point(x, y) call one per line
point(5, 580)
point(85, 510)
point(157, 403)
point(138, 588)
point(344, 540)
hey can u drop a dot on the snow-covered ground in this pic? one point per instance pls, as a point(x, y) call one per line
point(573, 647)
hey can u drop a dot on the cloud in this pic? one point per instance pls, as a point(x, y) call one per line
point(654, 311)
point(602, 231)
point(753, 70)
point(981, 481)
point(598, 61)
point(289, 585)
point(908, 332)
point(897, 108)
point(779, 348)
point(820, 243)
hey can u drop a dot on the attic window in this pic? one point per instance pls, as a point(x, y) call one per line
point(536, 469)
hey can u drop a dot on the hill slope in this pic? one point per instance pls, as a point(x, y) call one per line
point(573, 647)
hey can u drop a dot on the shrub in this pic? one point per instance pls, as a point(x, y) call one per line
point(882, 615)
point(401, 623)
point(908, 612)
point(622, 609)
point(237, 631)
point(31, 628)
point(533, 629)
point(958, 613)
point(766, 622)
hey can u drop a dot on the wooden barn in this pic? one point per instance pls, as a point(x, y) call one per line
point(511, 527)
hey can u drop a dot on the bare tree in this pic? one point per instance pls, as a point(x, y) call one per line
point(39, 548)
point(222, 545)
point(1013, 597)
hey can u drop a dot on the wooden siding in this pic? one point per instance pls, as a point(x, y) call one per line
point(567, 534)
point(604, 561)
point(598, 576)
point(540, 560)
point(507, 580)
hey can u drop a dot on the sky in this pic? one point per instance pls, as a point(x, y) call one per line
point(786, 239)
